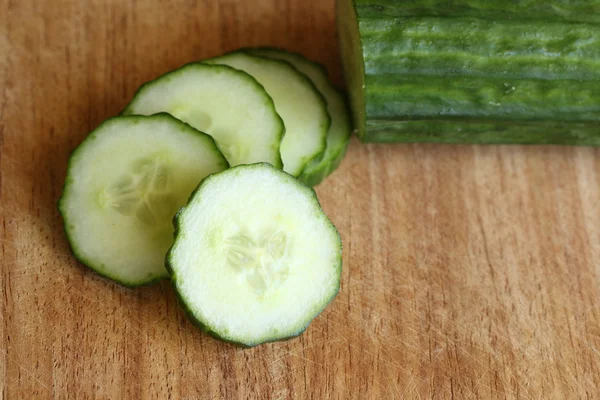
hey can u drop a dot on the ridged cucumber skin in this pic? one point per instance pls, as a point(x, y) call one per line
point(203, 325)
point(405, 97)
point(558, 10)
point(88, 263)
point(413, 77)
point(469, 46)
point(483, 132)
point(317, 170)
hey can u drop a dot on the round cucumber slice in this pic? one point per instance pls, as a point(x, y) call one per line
point(226, 103)
point(255, 259)
point(302, 107)
point(341, 128)
point(124, 184)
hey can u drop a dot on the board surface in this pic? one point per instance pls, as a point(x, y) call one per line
point(469, 271)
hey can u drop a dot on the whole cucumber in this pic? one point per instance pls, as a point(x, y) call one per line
point(473, 71)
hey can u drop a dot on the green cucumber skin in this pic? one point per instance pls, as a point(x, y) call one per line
point(475, 47)
point(483, 132)
point(565, 10)
point(88, 263)
point(414, 75)
point(405, 97)
point(203, 325)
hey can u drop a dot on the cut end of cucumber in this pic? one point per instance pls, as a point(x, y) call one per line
point(125, 182)
point(255, 259)
point(353, 61)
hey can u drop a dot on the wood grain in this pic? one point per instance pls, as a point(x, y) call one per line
point(469, 271)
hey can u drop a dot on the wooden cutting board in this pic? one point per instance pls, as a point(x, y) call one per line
point(469, 271)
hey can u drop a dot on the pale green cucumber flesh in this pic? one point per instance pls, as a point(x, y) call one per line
point(124, 184)
point(340, 129)
point(255, 259)
point(301, 106)
point(226, 103)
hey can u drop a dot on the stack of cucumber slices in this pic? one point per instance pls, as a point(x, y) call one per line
point(205, 179)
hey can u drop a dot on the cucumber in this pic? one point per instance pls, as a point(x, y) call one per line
point(561, 10)
point(416, 74)
point(255, 259)
point(302, 107)
point(124, 184)
point(340, 129)
point(228, 104)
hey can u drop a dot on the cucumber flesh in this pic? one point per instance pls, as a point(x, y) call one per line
point(124, 184)
point(228, 104)
point(302, 107)
point(340, 129)
point(255, 259)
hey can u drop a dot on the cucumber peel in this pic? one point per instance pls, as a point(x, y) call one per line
point(472, 71)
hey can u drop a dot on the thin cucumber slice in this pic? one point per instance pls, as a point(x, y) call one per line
point(341, 128)
point(302, 107)
point(124, 184)
point(255, 259)
point(228, 104)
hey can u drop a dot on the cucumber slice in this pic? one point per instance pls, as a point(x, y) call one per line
point(255, 259)
point(228, 104)
point(124, 184)
point(341, 128)
point(302, 107)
